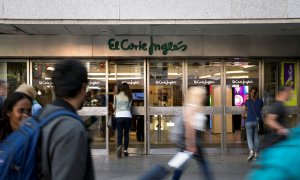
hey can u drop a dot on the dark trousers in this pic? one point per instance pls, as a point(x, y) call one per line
point(123, 126)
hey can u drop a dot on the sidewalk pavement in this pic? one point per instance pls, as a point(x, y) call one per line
point(224, 167)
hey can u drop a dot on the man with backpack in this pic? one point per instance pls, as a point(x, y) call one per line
point(54, 144)
point(65, 152)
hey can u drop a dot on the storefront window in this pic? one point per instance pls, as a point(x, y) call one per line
point(41, 80)
point(165, 83)
point(14, 73)
point(277, 74)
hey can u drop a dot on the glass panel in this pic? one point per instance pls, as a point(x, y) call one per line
point(279, 73)
point(240, 77)
point(14, 73)
point(207, 74)
point(165, 90)
point(96, 84)
point(159, 137)
point(41, 80)
point(131, 72)
point(165, 83)
point(97, 130)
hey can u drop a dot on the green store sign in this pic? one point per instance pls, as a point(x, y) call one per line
point(126, 45)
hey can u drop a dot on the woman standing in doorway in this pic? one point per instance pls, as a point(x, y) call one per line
point(122, 106)
point(253, 107)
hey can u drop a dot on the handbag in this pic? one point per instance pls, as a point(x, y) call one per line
point(260, 123)
point(111, 122)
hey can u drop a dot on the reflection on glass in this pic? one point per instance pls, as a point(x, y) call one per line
point(165, 83)
point(280, 73)
point(160, 126)
point(14, 73)
point(41, 80)
point(96, 127)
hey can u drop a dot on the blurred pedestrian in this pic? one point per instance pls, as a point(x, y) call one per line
point(252, 114)
point(194, 123)
point(275, 120)
point(65, 151)
point(122, 106)
point(16, 108)
point(30, 91)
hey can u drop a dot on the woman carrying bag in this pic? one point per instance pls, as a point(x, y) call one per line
point(253, 107)
point(122, 106)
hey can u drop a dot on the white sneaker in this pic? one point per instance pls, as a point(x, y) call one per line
point(251, 156)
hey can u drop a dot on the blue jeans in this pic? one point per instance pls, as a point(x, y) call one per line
point(123, 125)
point(252, 135)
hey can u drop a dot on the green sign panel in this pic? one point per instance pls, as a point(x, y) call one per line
point(126, 45)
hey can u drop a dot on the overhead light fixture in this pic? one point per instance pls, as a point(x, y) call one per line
point(50, 68)
point(248, 66)
point(232, 72)
point(207, 76)
point(237, 77)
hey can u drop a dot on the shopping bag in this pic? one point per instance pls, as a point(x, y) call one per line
point(180, 159)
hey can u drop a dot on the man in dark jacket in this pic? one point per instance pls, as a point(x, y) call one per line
point(65, 150)
point(275, 119)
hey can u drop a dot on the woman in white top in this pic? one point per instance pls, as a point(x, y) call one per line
point(122, 106)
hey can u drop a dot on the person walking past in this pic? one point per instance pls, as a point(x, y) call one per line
point(122, 106)
point(253, 107)
point(194, 124)
point(30, 91)
point(16, 108)
point(65, 151)
point(275, 120)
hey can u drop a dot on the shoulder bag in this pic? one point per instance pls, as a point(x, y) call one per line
point(260, 123)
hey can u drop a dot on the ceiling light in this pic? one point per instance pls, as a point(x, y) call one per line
point(50, 68)
point(207, 76)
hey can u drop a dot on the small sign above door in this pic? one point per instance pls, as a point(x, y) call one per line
point(242, 81)
point(96, 83)
point(131, 82)
point(203, 82)
point(168, 82)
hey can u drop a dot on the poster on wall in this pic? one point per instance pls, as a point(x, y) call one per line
point(241, 94)
point(289, 78)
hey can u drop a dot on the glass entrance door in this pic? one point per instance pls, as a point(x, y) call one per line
point(206, 73)
point(240, 76)
point(131, 72)
point(165, 95)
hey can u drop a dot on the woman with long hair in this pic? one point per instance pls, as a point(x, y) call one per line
point(122, 106)
point(16, 107)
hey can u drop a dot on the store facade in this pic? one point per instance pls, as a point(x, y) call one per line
point(159, 70)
